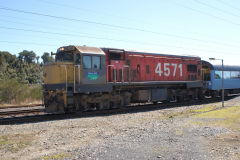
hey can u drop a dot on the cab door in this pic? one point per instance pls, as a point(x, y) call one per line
point(93, 69)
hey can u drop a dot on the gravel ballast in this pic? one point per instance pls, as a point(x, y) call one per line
point(174, 134)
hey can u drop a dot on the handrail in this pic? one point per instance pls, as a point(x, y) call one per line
point(79, 75)
point(125, 66)
point(74, 79)
point(115, 70)
point(107, 71)
point(74, 75)
point(66, 75)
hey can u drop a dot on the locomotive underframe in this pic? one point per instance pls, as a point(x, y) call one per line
point(62, 101)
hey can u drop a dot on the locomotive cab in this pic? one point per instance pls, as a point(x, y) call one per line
point(77, 70)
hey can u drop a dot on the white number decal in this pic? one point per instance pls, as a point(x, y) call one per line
point(175, 69)
point(158, 69)
point(166, 69)
point(180, 67)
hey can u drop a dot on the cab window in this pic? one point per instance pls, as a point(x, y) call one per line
point(64, 57)
point(93, 62)
point(87, 62)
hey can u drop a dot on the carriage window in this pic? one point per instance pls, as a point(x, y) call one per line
point(218, 74)
point(87, 62)
point(235, 74)
point(226, 74)
point(96, 62)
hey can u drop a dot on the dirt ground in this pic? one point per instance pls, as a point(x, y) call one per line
point(188, 132)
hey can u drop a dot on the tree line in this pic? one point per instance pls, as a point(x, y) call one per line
point(24, 68)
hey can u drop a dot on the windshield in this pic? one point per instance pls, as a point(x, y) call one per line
point(64, 57)
point(91, 62)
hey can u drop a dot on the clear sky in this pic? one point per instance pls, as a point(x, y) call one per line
point(183, 27)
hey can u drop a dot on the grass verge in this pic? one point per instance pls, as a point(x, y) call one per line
point(13, 92)
point(228, 117)
point(16, 142)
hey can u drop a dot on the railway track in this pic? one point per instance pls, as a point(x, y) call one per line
point(20, 106)
point(21, 112)
point(35, 117)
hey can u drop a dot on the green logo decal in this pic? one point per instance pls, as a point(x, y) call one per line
point(93, 75)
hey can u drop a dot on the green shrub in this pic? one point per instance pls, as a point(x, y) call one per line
point(11, 91)
point(34, 92)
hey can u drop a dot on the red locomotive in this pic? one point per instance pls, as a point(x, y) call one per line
point(128, 66)
point(85, 78)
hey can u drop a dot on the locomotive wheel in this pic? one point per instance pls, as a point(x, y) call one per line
point(126, 101)
point(54, 108)
point(105, 104)
point(180, 98)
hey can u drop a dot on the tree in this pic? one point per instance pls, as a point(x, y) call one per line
point(24, 69)
point(37, 59)
point(6, 57)
point(47, 58)
point(27, 56)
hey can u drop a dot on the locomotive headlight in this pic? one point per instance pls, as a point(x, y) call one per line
point(61, 49)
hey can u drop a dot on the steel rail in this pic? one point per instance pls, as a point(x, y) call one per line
point(19, 112)
point(20, 106)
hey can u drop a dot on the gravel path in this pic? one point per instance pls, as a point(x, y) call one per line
point(174, 134)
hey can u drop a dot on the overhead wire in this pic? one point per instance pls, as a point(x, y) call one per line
point(89, 10)
point(25, 24)
point(82, 34)
point(43, 23)
point(114, 26)
point(110, 39)
point(229, 5)
point(66, 29)
point(44, 44)
point(32, 43)
point(206, 13)
point(216, 8)
point(99, 37)
point(94, 11)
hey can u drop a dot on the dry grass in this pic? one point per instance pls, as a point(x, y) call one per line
point(28, 102)
point(57, 156)
point(228, 117)
point(13, 92)
point(205, 109)
point(16, 142)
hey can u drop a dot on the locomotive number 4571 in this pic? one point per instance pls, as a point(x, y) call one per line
point(167, 69)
